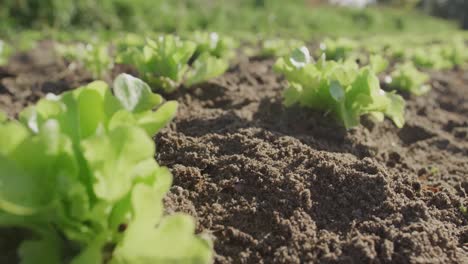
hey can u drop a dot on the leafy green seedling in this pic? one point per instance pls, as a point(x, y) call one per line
point(406, 77)
point(455, 52)
point(279, 47)
point(338, 87)
point(430, 58)
point(164, 63)
point(213, 44)
point(338, 49)
point(95, 58)
point(463, 210)
point(397, 51)
point(204, 68)
point(378, 63)
point(78, 171)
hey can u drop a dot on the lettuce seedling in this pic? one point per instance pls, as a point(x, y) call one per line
point(406, 77)
point(214, 45)
point(338, 87)
point(78, 171)
point(378, 63)
point(204, 68)
point(455, 52)
point(338, 49)
point(164, 63)
point(95, 58)
point(430, 58)
point(397, 51)
point(279, 47)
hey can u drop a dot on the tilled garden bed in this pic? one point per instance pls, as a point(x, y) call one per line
point(277, 185)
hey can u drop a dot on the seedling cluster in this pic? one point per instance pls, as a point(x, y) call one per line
point(78, 171)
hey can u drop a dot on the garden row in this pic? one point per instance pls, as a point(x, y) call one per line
point(78, 168)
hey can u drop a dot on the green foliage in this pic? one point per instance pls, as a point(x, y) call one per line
point(3, 116)
point(164, 62)
point(341, 88)
point(78, 168)
point(378, 63)
point(455, 52)
point(5, 52)
point(406, 77)
point(204, 68)
point(430, 57)
point(271, 18)
point(94, 57)
point(213, 44)
point(445, 55)
point(463, 210)
point(338, 49)
point(279, 47)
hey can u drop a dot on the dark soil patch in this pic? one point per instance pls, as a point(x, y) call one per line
point(30, 76)
point(276, 185)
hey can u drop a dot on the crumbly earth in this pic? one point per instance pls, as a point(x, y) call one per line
point(277, 185)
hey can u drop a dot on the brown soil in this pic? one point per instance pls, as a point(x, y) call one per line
point(30, 76)
point(276, 185)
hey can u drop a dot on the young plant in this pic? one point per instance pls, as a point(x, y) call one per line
point(164, 63)
point(397, 51)
point(430, 58)
point(341, 88)
point(214, 45)
point(338, 49)
point(406, 77)
point(95, 58)
point(279, 47)
point(378, 63)
point(455, 52)
point(78, 171)
point(204, 68)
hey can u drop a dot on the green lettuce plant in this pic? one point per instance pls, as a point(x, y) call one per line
point(444, 55)
point(455, 51)
point(378, 63)
point(396, 51)
point(205, 67)
point(164, 63)
point(279, 47)
point(406, 77)
point(95, 58)
point(214, 44)
point(78, 171)
point(430, 58)
point(338, 49)
point(341, 88)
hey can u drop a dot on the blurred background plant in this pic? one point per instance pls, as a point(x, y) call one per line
point(452, 9)
point(292, 18)
point(449, 9)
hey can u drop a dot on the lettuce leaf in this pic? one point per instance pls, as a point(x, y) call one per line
point(406, 77)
